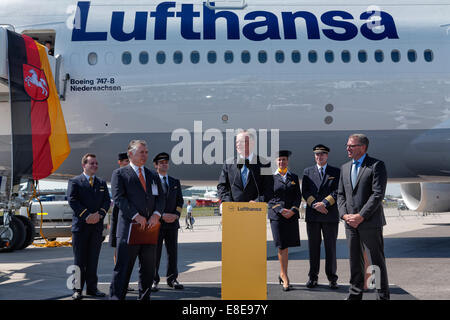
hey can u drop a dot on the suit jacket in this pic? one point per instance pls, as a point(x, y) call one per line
point(323, 190)
point(367, 196)
point(286, 195)
point(174, 203)
point(84, 200)
point(131, 198)
point(258, 188)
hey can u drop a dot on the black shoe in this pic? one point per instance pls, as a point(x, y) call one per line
point(97, 294)
point(77, 295)
point(130, 289)
point(311, 284)
point(333, 285)
point(175, 285)
point(155, 287)
point(288, 288)
point(354, 297)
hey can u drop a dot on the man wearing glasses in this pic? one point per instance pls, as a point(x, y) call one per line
point(362, 185)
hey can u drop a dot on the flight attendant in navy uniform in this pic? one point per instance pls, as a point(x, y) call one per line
point(89, 199)
point(319, 186)
point(283, 211)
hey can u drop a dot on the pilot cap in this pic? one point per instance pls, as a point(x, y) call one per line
point(122, 156)
point(161, 156)
point(320, 148)
point(283, 153)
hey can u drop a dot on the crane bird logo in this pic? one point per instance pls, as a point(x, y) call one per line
point(35, 83)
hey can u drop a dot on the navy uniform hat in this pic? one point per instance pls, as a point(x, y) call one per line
point(320, 148)
point(123, 156)
point(284, 153)
point(161, 156)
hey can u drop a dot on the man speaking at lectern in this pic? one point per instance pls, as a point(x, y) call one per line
point(243, 179)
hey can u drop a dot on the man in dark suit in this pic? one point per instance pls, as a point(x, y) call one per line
point(122, 161)
point(89, 199)
point(138, 194)
point(169, 222)
point(319, 187)
point(243, 180)
point(360, 195)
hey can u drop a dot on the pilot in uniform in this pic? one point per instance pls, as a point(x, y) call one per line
point(319, 187)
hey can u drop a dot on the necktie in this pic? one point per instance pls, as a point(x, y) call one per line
point(165, 185)
point(354, 174)
point(91, 181)
point(282, 171)
point(321, 173)
point(142, 180)
point(244, 175)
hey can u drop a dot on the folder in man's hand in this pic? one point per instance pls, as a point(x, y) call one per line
point(148, 235)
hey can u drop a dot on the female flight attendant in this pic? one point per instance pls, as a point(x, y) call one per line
point(284, 213)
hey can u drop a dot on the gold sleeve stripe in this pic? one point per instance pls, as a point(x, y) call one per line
point(104, 210)
point(275, 206)
point(331, 200)
point(310, 200)
point(294, 207)
point(179, 209)
point(83, 212)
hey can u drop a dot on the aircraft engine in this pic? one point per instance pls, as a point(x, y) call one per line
point(426, 196)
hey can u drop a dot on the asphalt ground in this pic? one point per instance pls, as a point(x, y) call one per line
point(417, 249)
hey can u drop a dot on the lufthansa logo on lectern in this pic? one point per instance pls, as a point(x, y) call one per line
point(248, 209)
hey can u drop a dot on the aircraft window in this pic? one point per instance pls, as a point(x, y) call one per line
point(329, 56)
point(345, 56)
point(92, 58)
point(312, 56)
point(143, 57)
point(428, 55)
point(262, 56)
point(126, 57)
point(195, 57)
point(412, 55)
point(177, 57)
point(228, 56)
point(160, 57)
point(395, 55)
point(379, 56)
point(245, 56)
point(362, 56)
point(295, 56)
point(279, 56)
point(212, 57)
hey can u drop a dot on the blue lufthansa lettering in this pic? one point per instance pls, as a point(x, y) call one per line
point(187, 15)
point(350, 29)
point(390, 31)
point(140, 27)
point(271, 23)
point(81, 34)
point(209, 23)
point(290, 31)
point(258, 25)
point(161, 14)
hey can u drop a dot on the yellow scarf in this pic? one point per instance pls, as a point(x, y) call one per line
point(282, 171)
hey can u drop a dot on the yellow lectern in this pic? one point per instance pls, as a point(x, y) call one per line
point(244, 252)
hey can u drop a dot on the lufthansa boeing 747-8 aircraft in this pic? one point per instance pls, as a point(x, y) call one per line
point(179, 74)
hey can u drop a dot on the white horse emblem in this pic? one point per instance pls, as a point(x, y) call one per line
point(32, 79)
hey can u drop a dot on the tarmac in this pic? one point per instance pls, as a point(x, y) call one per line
point(417, 249)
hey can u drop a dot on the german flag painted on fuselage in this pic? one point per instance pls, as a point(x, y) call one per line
point(39, 136)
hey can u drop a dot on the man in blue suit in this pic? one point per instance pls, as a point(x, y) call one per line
point(319, 187)
point(89, 199)
point(138, 194)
